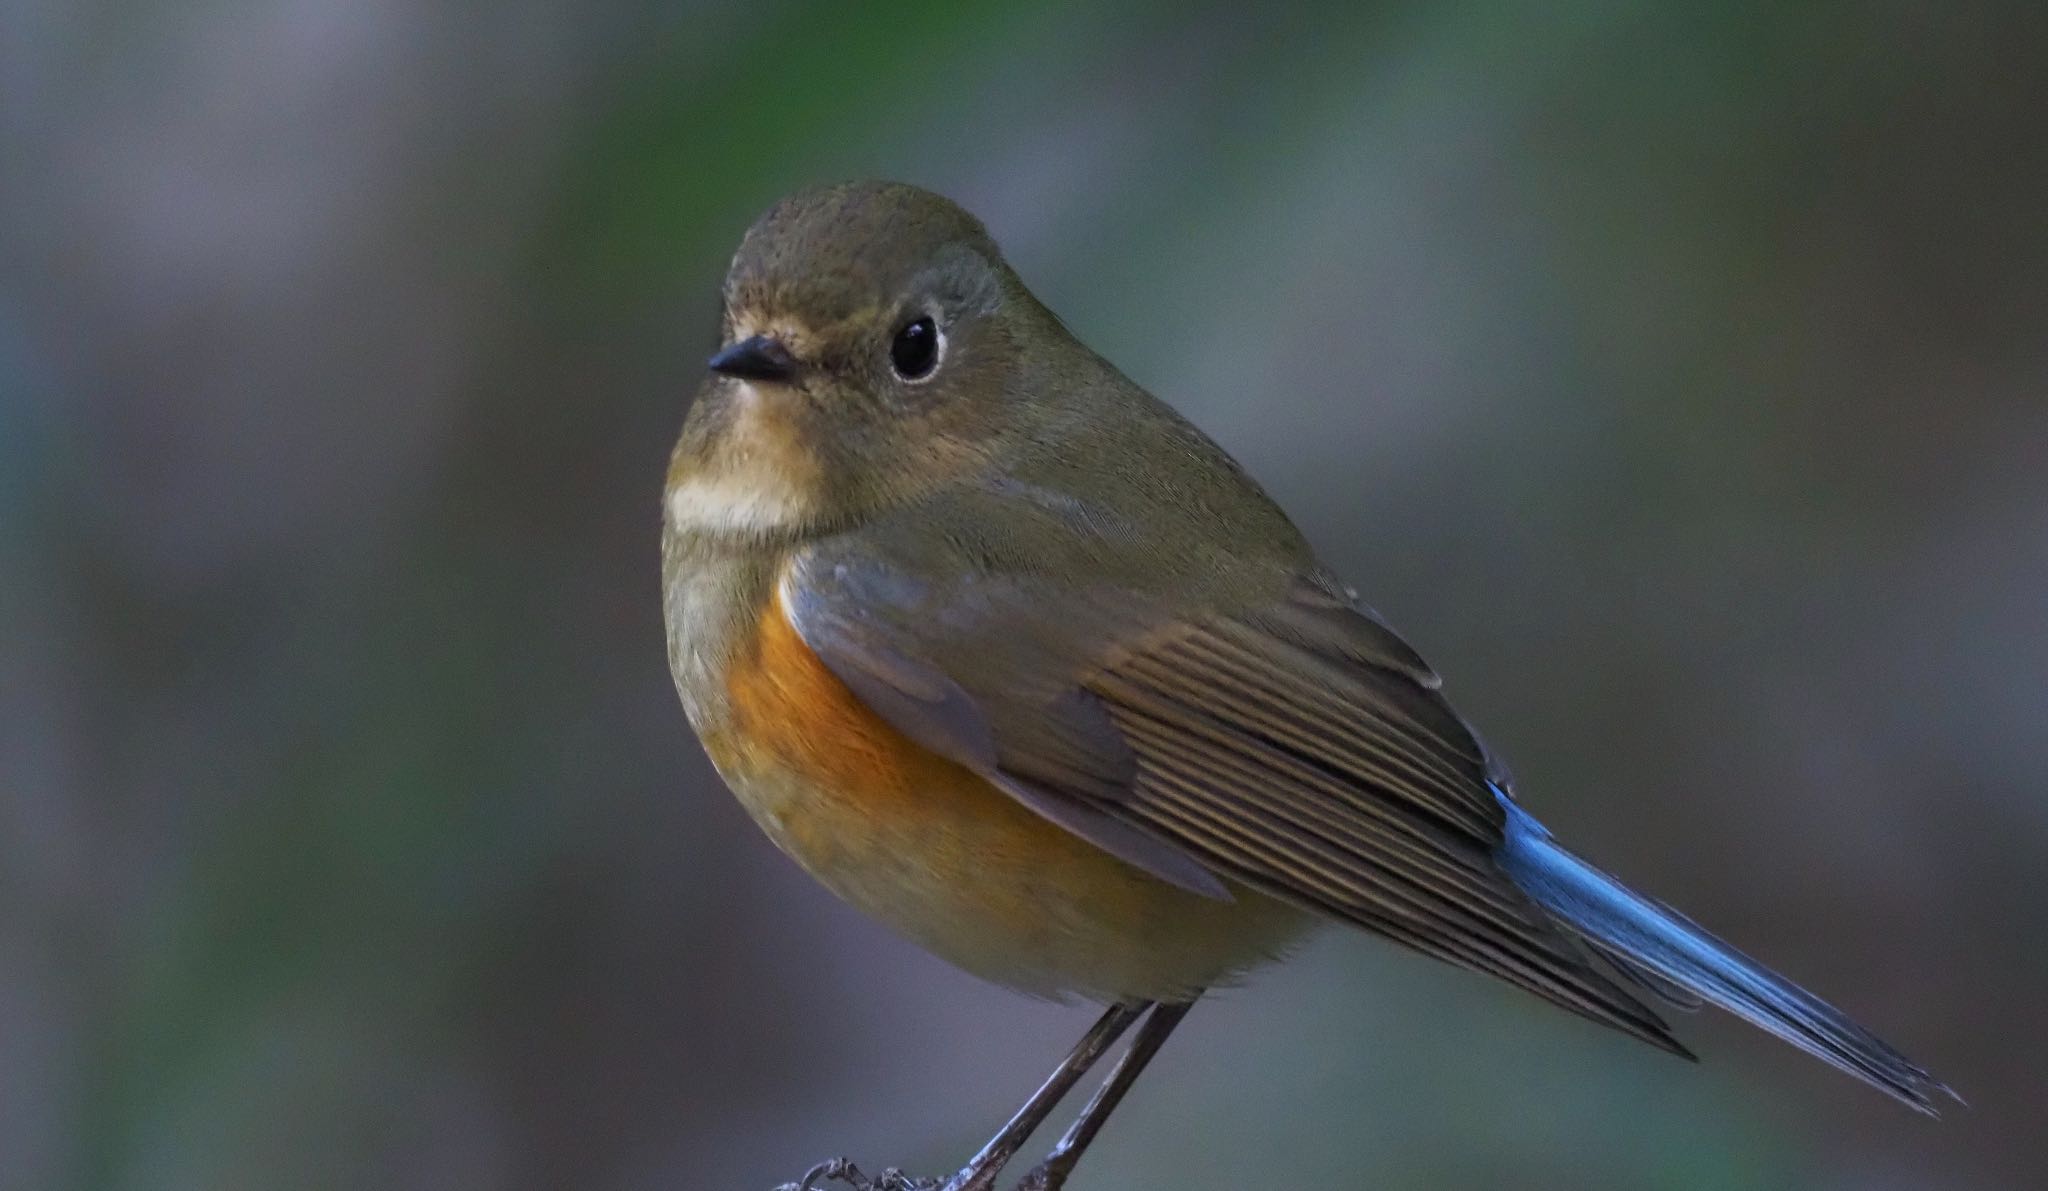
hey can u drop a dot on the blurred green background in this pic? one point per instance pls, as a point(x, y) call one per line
point(1675, 376)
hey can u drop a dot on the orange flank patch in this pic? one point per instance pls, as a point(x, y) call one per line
point(790, 713)
point(933, 850)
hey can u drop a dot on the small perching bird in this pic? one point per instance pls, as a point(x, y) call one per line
point(1007, 654)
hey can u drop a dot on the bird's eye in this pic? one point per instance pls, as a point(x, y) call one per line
point(915, 350)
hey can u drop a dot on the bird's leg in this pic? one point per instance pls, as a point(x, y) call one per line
point(1051, 1174)
point(980, 1172)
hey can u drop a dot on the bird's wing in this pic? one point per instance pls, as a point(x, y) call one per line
point(1295, 745)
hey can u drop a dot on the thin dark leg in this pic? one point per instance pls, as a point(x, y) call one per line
point(980, 1172)
point(1051, 1174)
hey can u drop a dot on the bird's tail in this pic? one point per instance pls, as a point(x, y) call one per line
point(1672, 948)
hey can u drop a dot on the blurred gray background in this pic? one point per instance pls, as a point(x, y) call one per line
point(1675, 376)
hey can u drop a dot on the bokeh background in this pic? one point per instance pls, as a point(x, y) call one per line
point(1676, 376)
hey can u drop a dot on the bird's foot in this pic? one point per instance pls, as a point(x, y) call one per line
point(841, 1171)
point(1049, 1175)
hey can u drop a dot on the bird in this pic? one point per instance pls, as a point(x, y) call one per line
point(1012, 657)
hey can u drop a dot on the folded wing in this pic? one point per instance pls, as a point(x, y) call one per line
point(1299, 748)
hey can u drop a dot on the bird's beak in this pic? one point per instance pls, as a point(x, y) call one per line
point(755, 358)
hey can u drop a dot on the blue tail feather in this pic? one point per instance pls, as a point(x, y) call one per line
point(1674, 949)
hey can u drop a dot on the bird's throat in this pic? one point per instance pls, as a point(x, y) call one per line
point(744, 471)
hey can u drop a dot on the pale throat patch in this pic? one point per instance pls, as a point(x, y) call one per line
point(747, 501)
point(760, 481)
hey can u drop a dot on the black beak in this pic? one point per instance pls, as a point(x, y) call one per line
point(756, 358)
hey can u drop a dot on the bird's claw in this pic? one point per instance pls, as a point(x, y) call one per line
point(842, 1170)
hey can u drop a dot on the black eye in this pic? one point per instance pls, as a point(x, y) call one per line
point(915, 349)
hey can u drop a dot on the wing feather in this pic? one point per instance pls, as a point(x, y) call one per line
point(1299, 748)
point(1285, 825)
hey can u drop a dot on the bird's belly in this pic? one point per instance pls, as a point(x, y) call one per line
point(934, 851)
